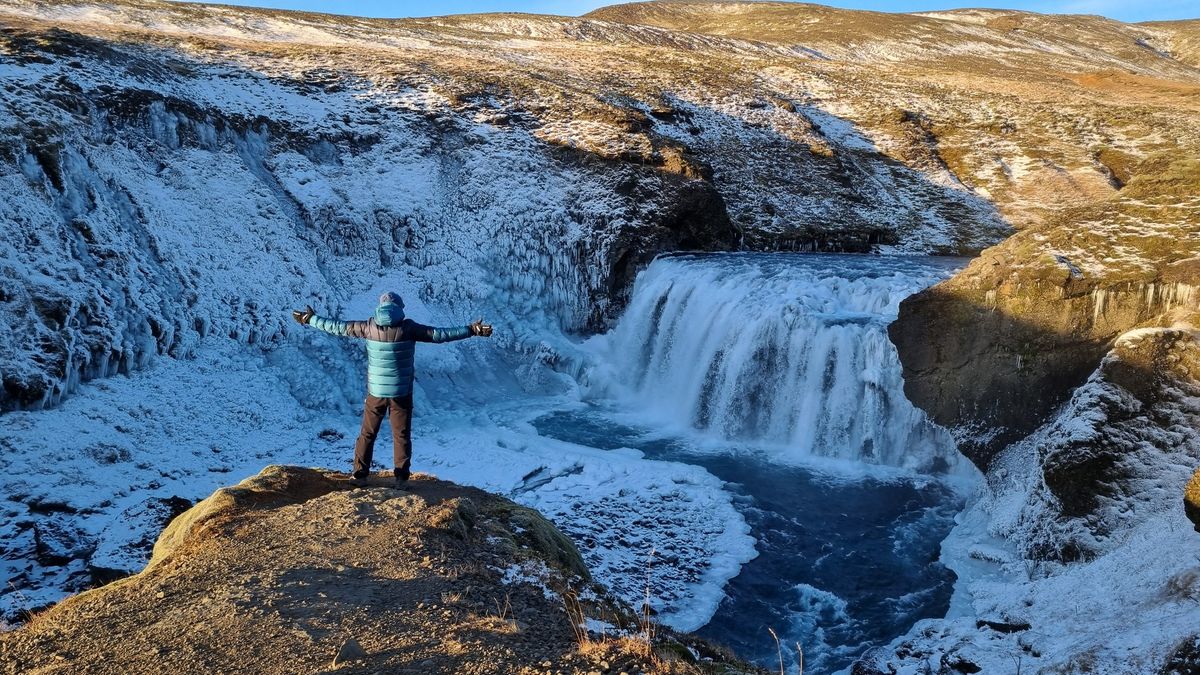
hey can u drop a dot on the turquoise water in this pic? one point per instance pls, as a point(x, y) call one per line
point(844, 564)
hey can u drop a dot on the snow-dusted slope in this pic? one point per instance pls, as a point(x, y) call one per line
point(146, 209)
point(163, 215)
point(1078, 555)
point(1038, 113)
point(957, 39)
point(311, 150)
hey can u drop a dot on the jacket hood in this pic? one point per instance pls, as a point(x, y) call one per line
point(389, 314)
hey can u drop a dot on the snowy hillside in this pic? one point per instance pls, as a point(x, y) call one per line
point(161, 220)
point(175, 178)
point(373, 149)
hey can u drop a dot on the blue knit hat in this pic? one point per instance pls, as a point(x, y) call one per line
point(392, 298)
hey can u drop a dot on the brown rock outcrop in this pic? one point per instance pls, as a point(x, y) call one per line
point(293, 568)
point(1120, 449)
point(1191, 499)
point(991, 352)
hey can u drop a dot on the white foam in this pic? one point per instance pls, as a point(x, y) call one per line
point(785, 349)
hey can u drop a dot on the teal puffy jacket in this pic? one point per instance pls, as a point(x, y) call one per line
point(391, 341)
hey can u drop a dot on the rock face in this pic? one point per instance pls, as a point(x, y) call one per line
point(293, 570)
point(1084, 518)
point(1121, 449)
point(1191, 499)
point(1066, 361)
point(991, 352)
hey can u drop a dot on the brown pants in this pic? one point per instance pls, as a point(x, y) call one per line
point(401, 419)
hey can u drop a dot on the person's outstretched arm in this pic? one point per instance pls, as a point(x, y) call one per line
point(308, 317)
point(422, 333)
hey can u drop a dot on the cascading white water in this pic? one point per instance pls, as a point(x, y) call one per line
point(785, 349)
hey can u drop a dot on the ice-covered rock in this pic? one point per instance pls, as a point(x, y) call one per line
point(1085, 519)
point(160, 192)
point(992, 352)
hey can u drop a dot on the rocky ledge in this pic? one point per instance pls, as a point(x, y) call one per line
point(294, 570)
point(994, 351)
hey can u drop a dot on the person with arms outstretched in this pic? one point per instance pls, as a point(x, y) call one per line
point(391, 342)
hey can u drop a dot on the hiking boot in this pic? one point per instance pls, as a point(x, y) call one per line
point(359, 479)
point(401, 478)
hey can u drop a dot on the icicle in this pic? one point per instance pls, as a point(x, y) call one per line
point(1099, 297)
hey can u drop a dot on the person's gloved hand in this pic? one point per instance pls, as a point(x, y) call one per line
point(481, 329)
point(302, 316)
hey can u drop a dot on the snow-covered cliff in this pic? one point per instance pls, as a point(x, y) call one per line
point(1078, 553)
point(145, 210)
point(177, 171)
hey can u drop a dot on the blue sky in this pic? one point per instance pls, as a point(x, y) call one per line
point(1125, 10)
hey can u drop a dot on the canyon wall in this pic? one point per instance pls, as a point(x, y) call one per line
point(991, 353)
point(159, 190)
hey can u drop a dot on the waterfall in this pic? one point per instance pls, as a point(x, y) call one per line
point(782, 349)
